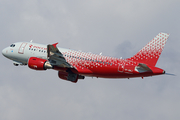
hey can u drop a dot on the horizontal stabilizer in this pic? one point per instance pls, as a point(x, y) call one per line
point(170, 74)
point(145, 67)
point(142, 68)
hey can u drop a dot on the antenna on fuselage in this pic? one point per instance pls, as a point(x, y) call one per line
point(31, 41)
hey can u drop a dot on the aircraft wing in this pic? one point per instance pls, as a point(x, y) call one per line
point(56, 57)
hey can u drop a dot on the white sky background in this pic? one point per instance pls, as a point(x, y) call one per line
point(118, 28)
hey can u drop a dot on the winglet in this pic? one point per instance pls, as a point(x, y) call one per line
point(55, 44)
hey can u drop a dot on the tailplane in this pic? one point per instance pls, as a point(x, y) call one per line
point(150, 53)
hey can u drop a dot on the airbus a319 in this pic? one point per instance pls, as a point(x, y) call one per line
point(73, 65)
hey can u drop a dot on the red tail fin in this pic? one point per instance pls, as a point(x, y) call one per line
point(150, 53)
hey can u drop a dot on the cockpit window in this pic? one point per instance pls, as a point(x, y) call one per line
point(12, 45)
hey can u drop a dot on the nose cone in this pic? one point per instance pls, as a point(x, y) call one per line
point(4, 52)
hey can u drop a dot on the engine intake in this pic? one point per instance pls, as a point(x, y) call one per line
point(39, 64)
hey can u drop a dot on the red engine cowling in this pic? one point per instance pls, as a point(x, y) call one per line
point(38, 64)
point(63, 75)
point(69, 76)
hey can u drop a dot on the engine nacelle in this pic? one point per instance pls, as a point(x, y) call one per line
point(39, 64)
point(69, 76)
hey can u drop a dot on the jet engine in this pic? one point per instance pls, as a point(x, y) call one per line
point(39, 64)
point(69, 76)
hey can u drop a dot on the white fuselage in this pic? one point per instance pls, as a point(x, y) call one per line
point(20, 52)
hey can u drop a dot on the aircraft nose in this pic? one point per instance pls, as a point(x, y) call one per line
point(4, 52)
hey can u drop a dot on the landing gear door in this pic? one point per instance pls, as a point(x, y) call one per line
point(21, 48)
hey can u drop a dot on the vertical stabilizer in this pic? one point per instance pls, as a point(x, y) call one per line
point(150, 53)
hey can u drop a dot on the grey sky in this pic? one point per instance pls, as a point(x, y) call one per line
point(116, 28)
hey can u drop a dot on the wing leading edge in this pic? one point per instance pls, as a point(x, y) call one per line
point(56, 57)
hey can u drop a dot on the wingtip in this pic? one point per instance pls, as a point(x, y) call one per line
point(55, 44)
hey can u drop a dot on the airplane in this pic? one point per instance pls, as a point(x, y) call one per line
point(73, 65)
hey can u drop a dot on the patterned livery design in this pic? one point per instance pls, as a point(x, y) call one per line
point(151, 52)
point(74, 65)
point(91, 63)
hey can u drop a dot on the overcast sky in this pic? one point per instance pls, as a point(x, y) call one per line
point(118, 28)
